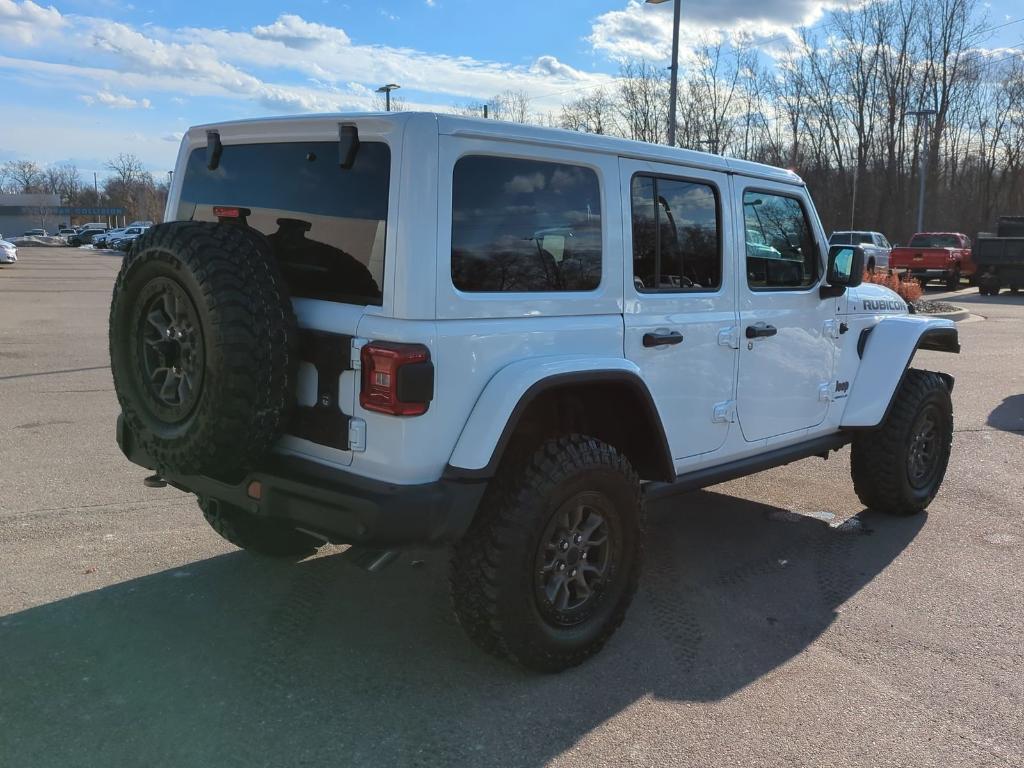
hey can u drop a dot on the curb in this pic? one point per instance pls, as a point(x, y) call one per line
point(956, 316)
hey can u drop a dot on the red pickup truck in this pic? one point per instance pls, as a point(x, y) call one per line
point(935, 255)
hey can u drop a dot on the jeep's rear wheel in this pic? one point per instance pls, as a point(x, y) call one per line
point(257, 534)
point(899, 467)
point(548, 569)
point(202, 338)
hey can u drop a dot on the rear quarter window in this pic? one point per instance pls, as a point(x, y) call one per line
point(524, 226)
point(326, 224)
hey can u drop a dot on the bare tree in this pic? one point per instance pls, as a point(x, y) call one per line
point(642, 102)
point(380, 103)
point(127, 169)
point(23, 176)
point(593, 112)
point(513, 106)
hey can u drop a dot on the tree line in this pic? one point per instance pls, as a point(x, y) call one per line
point(835, 107)
point(127, 185)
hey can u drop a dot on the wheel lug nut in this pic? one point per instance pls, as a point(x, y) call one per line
point(563, 545)
point(577, 538)
point(584, 556)
point(572, 574)
point(561, 565)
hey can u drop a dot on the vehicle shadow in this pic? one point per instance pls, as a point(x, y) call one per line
point(1008, 415)
point(237, 660)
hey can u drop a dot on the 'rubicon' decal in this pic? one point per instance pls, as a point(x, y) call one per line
point(891, 305)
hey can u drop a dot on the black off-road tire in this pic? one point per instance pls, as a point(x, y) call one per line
point(497, 576)
point(953, 281)
point(227, 288)
point(257, 534)
point(880, 460)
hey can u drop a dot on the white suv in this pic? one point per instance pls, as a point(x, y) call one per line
point(408, 329)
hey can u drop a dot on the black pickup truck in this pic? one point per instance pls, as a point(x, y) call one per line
point(1000, 259)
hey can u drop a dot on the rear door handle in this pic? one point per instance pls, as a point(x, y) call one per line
point(760, 330)
point(658, 339)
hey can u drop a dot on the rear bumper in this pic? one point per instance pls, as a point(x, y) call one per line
point(340, 506)
point(926, 272)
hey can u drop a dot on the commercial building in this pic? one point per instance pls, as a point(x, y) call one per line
point(20, 213)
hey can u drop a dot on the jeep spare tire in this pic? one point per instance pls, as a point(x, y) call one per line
point(202, 340)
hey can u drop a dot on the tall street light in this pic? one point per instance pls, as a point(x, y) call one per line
point(925, 113)
point(674, 68)
point(386, 90)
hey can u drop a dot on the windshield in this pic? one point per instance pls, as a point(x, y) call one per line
point(935, 241)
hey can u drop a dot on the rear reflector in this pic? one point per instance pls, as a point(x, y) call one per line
point(226, 213)
point(398, 379)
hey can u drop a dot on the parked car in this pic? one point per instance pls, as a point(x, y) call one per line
point(876, 246)
point(8, 251)
point(122, 241)
point(930, 256)
point(67, 234)
point(106, 239)
point(460, 352)
point(35, 233)
point(1000, 257)
point(88, 234)
point(146, 224)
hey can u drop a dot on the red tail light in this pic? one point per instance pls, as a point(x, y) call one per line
point(397, 378)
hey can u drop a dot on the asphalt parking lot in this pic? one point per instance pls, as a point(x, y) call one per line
point(778, 623)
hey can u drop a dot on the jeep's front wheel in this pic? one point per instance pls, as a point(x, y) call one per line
point(898, 468)
point(548, 569)
point(257, 534)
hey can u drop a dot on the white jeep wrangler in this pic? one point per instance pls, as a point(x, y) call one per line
point(414, 329)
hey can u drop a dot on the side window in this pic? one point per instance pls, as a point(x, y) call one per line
point(525, 225)
point(676, 235)
point(781, 252)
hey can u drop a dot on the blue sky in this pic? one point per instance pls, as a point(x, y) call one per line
point(82, 80)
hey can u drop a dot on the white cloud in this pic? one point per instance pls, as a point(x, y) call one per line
point(303, 66)
point(295, 32)
point(28, 23)
point(114, 100)
point(642, 30)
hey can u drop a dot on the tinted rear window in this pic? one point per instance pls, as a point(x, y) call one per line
point(935, 241)
point(326, 224)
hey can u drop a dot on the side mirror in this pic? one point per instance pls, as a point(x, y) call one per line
point(845, 270)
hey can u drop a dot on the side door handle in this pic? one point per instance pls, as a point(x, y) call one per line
point(760, 330)
point(659, 338)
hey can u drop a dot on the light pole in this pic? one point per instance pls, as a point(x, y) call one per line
point(674, 68)
point(386, 90)
point(925, 113)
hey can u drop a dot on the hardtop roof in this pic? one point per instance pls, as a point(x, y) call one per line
point(457, 125)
